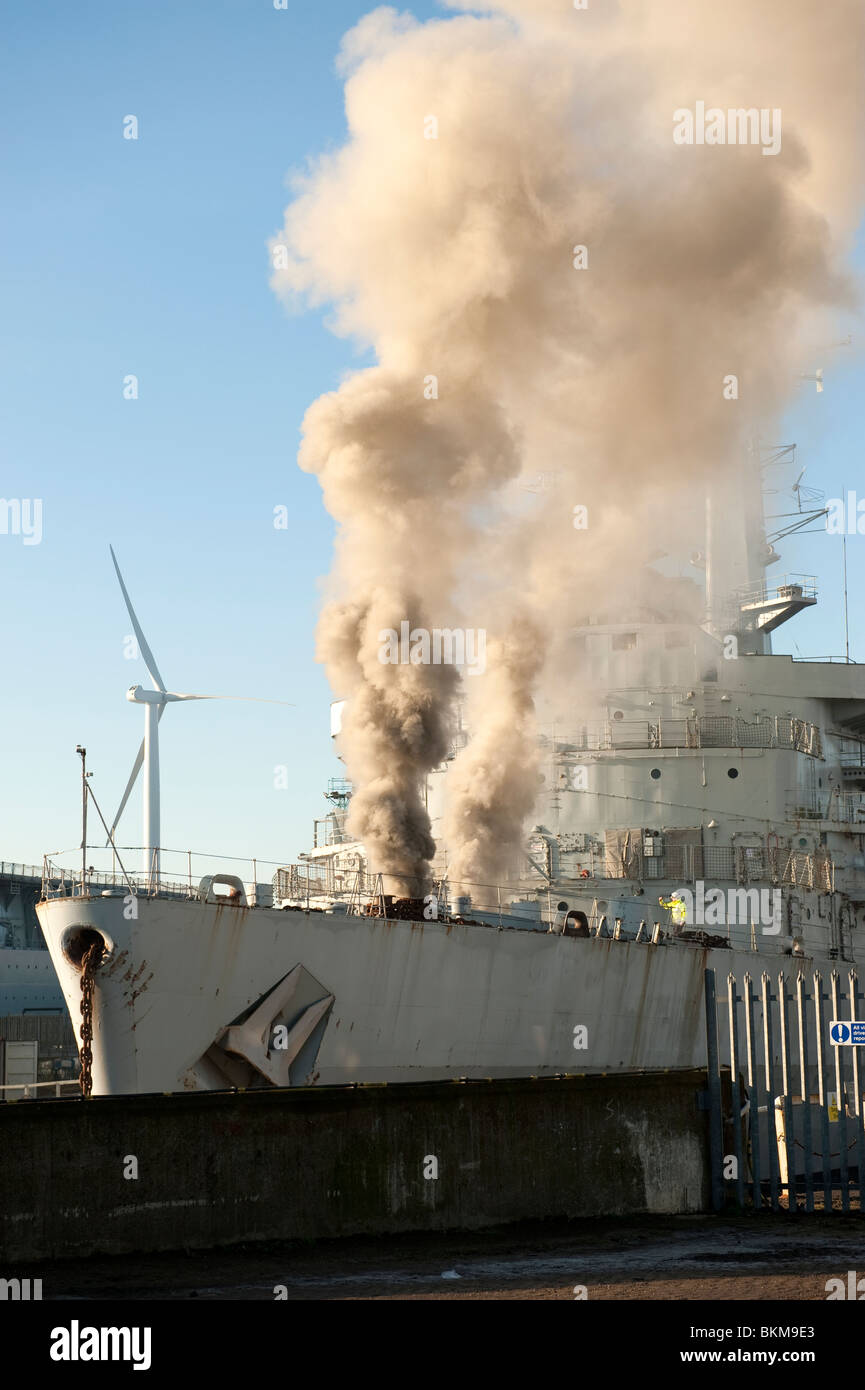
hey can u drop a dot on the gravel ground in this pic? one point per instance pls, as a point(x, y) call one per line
point(704, 1259)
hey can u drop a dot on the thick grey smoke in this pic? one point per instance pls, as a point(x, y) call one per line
point(480, 152)
point(396, 725)
point(496, 781)
point(401, 474)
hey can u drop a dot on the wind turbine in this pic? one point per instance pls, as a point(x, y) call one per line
point(817, 376)
point(813, 376)
point(154, 702)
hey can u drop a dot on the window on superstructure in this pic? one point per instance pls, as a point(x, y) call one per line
point(624, 641)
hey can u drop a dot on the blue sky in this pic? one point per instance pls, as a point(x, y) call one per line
point(149, 257)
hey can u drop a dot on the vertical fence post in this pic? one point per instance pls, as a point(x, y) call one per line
point(716, 1135)
point(789, 1140)
point(732, 1002)
point(753, 1097)
point(842, 1099)
point(821, 1079)
point(769, 1061)
point(806, 1091)
point(857, 1095)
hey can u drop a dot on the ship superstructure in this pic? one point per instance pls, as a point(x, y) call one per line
point(751, 777)
point(28, 985)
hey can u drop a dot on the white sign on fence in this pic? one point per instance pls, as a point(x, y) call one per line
point(848, 1031)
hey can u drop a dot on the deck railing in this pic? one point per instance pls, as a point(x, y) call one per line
point(699, 731)
point(8, 870)
point(24, 1090)
point(182, 874)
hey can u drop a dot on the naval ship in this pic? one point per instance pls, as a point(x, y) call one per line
point(706, 810)
point(28, 985)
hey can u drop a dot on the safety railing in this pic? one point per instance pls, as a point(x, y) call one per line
point(24, 1090)
point(181, 874)
point(306, 883)
point(838, 808)
point(743, 864)
point(700, 731)
point(789, 586)
point(310, 880)
point(9, 870)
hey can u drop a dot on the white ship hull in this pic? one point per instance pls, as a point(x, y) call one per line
point(374, 1000)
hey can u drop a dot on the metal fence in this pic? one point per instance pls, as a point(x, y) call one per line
point(698, 731)
point(182, 874)
point(793, 1136)
point(39, 1090)
point(9, 870)
point(312, 879)
point(624, 857)
point(840, 808)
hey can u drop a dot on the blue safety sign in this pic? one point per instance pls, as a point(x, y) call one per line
point(849, 1031)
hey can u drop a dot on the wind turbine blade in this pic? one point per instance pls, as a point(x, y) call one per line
point(136, 768)
point(253, 699)
point(146, 653)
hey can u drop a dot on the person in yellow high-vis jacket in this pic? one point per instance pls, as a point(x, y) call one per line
point(677, 908)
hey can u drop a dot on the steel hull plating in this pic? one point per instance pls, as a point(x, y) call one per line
point(27, 983)
point(403, 1001)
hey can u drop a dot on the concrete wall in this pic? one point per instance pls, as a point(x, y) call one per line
point(218, 1168)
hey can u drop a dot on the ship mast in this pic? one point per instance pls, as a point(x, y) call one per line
point(738, 600)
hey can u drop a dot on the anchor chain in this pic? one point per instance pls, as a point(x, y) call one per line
point(89, 962)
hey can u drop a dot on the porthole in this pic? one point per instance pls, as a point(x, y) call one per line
point(655, 773)
point(732, 772)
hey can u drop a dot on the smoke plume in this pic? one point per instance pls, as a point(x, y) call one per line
point(482, 152)
point(496, 781)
